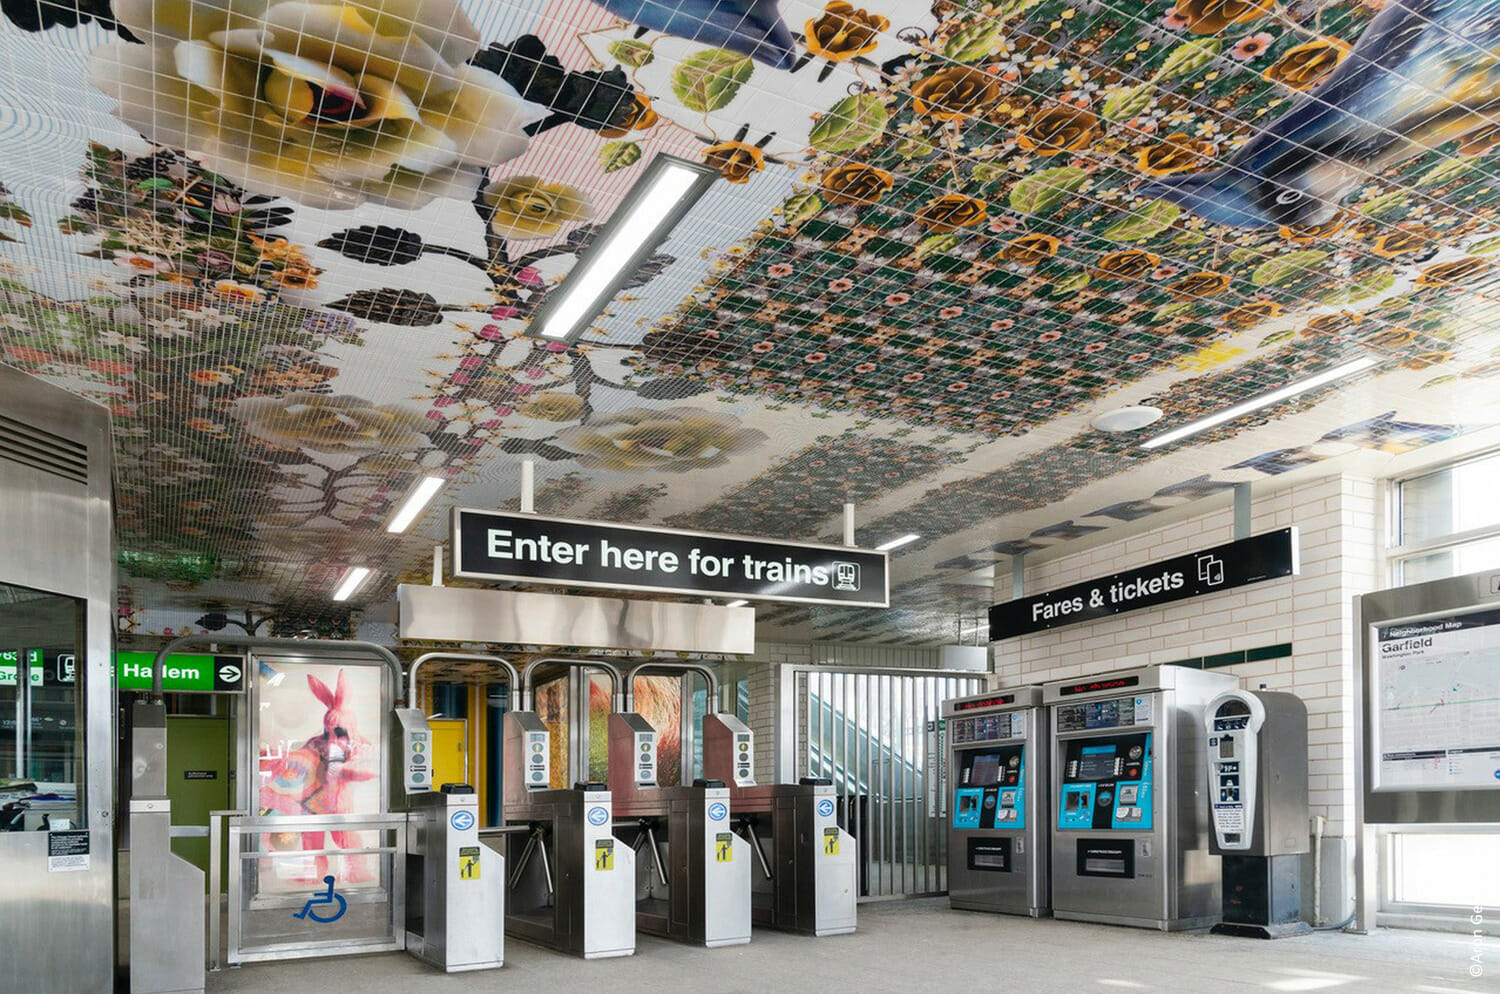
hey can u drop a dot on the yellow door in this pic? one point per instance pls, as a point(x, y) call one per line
point(450, 750)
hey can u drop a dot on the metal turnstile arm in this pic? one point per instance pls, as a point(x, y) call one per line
point(541, 845)
point(760, 856)
point(661, 872)
point(515, 875)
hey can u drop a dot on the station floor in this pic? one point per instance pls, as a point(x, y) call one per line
point(925, 946)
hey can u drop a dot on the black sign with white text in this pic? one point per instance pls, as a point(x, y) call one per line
point(492, 545)
point(1234, 564)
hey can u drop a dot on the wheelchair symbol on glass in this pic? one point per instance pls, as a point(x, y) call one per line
point(326, 898)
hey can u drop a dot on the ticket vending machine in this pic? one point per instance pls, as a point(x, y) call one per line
point(1130, 841)
point(1257, 795)
point(997, 771)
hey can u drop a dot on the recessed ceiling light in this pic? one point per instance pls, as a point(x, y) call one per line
point(897, 543)
point(420, 495)
point(1256, 403)
point(649, 212)
point(739, 603)
point(1126, 419)
point(350, 583)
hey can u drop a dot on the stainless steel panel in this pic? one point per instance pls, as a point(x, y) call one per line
point(56, 535)
point(458, 614)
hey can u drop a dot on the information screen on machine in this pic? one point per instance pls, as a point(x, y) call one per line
point(988, 727)
point(1119, 712)
point(1438, 718)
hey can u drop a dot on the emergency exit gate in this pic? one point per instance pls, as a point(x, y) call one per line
point(875, 734)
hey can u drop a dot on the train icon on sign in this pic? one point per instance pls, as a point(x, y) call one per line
point(845, 576)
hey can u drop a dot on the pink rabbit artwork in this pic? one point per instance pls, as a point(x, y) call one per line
point(314, 778)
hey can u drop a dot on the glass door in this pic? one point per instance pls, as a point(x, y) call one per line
point(41, 713)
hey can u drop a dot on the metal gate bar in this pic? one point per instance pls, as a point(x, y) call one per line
point(867, 731)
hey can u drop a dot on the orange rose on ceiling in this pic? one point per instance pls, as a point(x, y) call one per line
point(638, 117)
point(844, 31)
point(1128, 264)
point(1405, 240)
point(1251, 313)
point(1204, 284)
point(1303, 66)
point(1029, 249)
point(1059, 129)
point(1206, 17)
point(1177, 153)
point(855, 184)
point(954, 93)
point(736, 161)
point(951, 212)
point(1455, 273)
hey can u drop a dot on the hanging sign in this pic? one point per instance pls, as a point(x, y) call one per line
point(185, 672)
point(489, 545)
point(1234, 564)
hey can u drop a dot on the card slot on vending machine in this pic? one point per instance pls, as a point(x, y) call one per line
point(998, 776)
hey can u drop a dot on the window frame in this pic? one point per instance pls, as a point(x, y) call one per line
point(1398, 550)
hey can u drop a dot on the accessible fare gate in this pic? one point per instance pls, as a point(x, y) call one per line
point(877, 735)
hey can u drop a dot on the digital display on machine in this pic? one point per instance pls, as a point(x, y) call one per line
point(985, 702)
point(986, 770)
point(1096, 763)
point(1226, 748)
point(1092, 686)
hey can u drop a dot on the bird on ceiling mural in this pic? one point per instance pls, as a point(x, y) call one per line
point(1422, 74)
point(752, 27)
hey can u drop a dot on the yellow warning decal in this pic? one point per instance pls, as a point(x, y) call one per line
point(468, 862)
point(724, 847)
point(830, 842)
point(604, 854)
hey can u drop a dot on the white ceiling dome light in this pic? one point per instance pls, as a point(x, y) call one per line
point(1126, 419)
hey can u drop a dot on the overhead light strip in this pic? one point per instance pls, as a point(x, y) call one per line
point(649, 212)
point(897, 543)
point(739, 603)
point(1256, 403)
point(351, 582)
point(415, 503)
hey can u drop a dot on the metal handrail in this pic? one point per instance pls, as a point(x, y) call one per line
point(709, 677)
point(463, 657)
point(265, 642)
point(528, 700)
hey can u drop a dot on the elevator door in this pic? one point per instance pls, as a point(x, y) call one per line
point(875, 735)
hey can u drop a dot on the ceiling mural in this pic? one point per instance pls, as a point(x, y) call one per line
point(296, 247)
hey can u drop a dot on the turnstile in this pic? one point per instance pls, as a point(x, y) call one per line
point(572, 884)
point(693, 883)
point(1129, 822)
point(455, 885)
point(997, 772)
point(806, 877)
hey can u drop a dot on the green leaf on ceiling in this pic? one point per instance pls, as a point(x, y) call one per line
point(849, 124)
point(973, 41)
point(1285, 268)
point(710, 79)
point(800, 207)
point(1485, 246)
point(631, 52)
point(1188, 57)
point(615, 156)
point(1042, 191)
point(1385, 205)
point(1276, 337)
point(1072, 284)
point(1377, 282)
point(1447, 171)
point(1144, 222)
point(935, 244)
point(1128, 101)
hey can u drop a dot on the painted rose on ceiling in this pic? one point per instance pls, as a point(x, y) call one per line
point(335, 423)
point(332, 105)
point(675, 440)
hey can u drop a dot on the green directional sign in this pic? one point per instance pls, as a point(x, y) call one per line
point(184, 673)
point(10, 667)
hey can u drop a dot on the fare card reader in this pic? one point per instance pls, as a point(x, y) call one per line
point(997, 847)
point(1257, 797)
point(571, 885)
point(1129, 833)
point(414, 751)
point(455, 914)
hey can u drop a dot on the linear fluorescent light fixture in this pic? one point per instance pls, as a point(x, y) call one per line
point(669, 187)
point(415, 503)
point(897, 543)
point(739, 603)
point(1256, 403)
point(350, 583)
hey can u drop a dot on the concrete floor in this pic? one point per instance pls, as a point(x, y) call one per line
point(923, 945)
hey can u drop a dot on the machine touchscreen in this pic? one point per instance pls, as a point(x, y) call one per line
point(1096, 763)
point(985, 771)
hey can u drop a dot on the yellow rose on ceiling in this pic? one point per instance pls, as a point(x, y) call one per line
point(330, 104)
point(673, 441)
point(527, 207)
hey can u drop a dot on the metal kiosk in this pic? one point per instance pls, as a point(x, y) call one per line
point(1130, 826)
point(809, 880)
point(997, 763)
point(572, 886)
point(1257, 793)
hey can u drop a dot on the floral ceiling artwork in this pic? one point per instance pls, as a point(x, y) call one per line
point(296, 248)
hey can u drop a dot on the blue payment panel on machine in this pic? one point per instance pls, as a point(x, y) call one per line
point(1107, 780)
